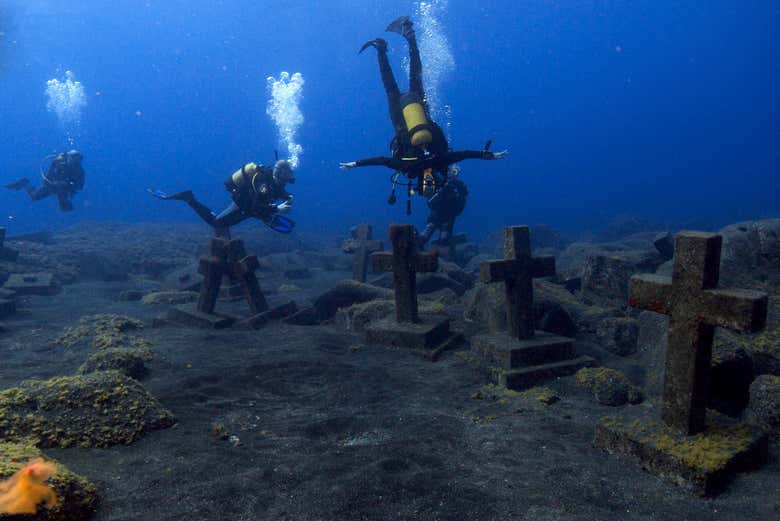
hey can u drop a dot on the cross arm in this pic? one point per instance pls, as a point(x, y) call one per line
point(650, 292)
point(426, 262)
point(494, 271)
point(382, 261)
point(741, 310)
point(353, 245)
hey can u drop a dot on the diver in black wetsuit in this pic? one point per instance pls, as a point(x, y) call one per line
point(64, 178)
point(419, 144)
point(257, 191)
point(445, 203)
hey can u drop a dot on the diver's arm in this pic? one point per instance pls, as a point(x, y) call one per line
point(389, 162)
point(459, 155)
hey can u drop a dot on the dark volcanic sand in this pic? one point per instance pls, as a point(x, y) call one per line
point(328, 432)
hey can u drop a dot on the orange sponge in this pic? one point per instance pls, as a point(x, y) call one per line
point(25, 490)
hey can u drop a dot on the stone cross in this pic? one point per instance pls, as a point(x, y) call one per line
point(694, 308)
point(362, 247)
point(517, 271)
point(229, 258)
point(405, 262)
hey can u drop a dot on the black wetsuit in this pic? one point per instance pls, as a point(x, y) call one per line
point(445, 205)
point(63, 179)
point(254, 197)
point(406, 158)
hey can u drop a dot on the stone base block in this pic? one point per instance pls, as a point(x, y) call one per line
point(188, 315)
point(510, 353)
point(702, 464)
point(430, 337)
point(32, 284)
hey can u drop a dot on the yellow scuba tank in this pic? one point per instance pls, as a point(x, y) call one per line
point(416, 121)
point(244, 174)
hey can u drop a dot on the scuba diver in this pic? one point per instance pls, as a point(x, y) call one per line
point(419, 149)
point(445, 205)
point(64, 178)
point(257, 191)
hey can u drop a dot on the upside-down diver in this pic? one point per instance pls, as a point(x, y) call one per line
point(419, 149)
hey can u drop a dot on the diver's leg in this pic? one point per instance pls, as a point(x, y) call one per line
point(388, 81)
point(415, 64)
point(230, 216)
point(64, 200)
point(405, 28)
point(41, 193)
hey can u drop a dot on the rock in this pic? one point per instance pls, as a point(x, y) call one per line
point(77, 498)
point(131, 295)
point(764, 405)
point(95, 410)
point(751, 254)
point(304, 317)
point(605, 276)
point(664, 243)
point(608, 386)
point(486, 304)
point(358, 316)
point(472, 266)
point(553, 318)
point(183, 279)
point(431, 282)
point(666, 269)
point(129, 362)
point(730, 375)
point(618, 335)
point(105, 331)
point(345, 294)
point(458, 274)
point(169, 298)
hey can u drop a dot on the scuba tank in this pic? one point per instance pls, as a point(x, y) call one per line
point(416, 120)
point(246, 172)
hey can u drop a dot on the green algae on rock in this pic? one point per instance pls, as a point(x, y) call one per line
point(608, 386)
point(129, 362)
point(95, 410)
point(105, 331)
point(702, 463)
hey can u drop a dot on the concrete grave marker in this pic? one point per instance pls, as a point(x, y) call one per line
point(361, 246)
point(523, 357)
point(695, 307)
point(427, 334)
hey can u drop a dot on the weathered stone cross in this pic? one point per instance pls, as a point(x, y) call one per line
point(694, 307)
point(229, 258)
point(405, 262)
point(362, 247)
point(517, 271)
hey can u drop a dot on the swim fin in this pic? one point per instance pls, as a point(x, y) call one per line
point(18, 185)
point(401, 25)
point(379, 44)
point(281, 224)
point(179, 196)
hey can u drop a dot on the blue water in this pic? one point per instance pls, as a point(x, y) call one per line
point(663, 110)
